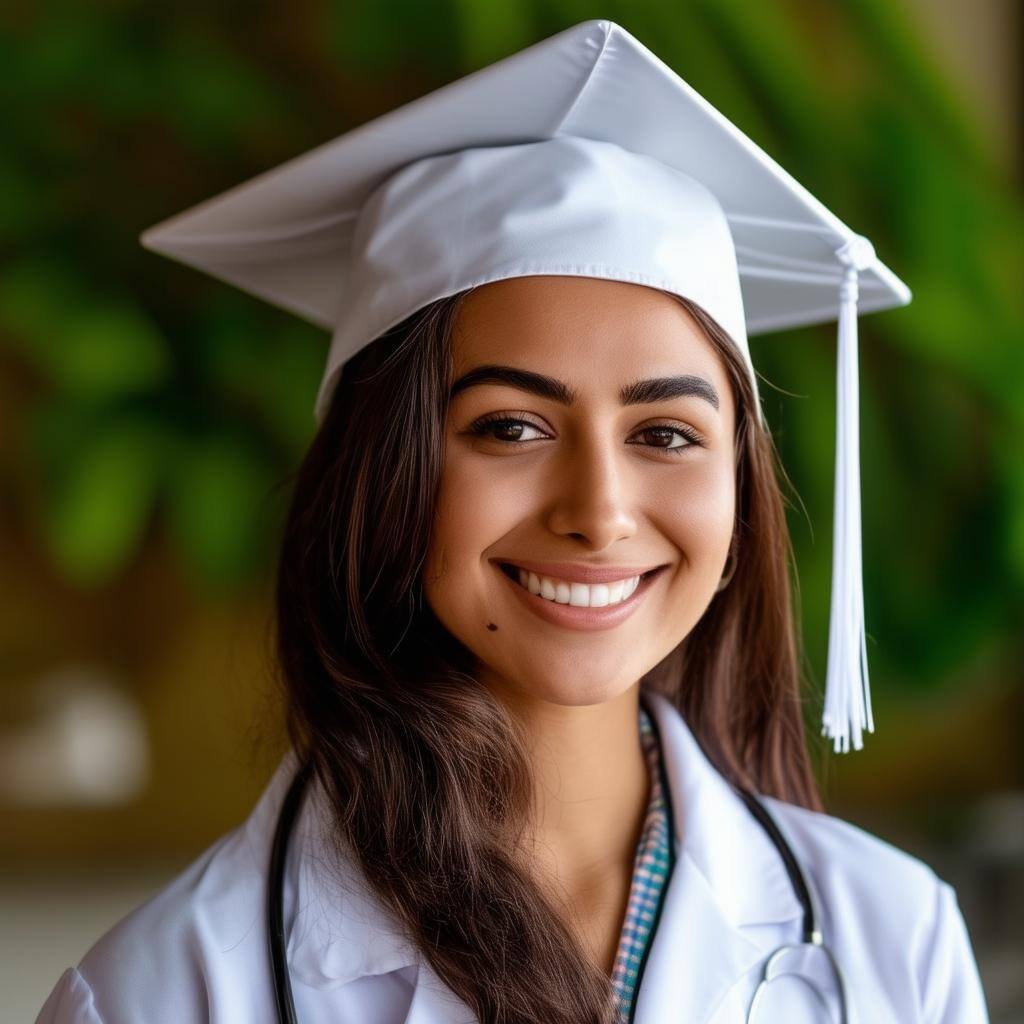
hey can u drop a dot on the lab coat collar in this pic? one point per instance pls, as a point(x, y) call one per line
point(740, 865)
point(340, 929)
point(728, 879)
point(728, 876)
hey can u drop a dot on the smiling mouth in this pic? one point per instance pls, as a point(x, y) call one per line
point(513, 571)
point(584, 617)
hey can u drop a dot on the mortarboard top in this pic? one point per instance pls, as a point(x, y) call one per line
point(287, 235)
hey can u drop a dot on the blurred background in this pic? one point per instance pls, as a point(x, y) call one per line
point(150, 417)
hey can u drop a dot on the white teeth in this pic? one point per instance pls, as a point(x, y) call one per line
point(580, 595)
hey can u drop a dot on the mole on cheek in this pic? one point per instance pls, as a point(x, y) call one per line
point(491, 626)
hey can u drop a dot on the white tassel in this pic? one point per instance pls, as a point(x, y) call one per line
point(847, 692)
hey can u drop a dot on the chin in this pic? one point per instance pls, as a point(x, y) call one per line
point(572, 692)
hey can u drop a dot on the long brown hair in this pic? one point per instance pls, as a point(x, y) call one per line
point(427, 773)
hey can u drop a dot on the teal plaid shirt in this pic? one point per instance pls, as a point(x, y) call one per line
point(650, 874)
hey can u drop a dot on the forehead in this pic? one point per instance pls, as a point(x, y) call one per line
point(581, 328)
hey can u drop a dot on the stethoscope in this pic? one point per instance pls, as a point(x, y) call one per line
point(792, 960)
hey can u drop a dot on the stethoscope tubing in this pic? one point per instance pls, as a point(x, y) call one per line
point(275, 895)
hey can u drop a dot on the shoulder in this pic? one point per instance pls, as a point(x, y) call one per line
point(189, 948)
point(885, 907)
point(844, 856)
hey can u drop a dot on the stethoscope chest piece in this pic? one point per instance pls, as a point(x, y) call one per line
point(803, 975)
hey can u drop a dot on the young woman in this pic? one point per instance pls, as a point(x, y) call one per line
point(541, 672)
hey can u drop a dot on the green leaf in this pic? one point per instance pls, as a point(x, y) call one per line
point(216, 510)
point(1011, 461)
point(84, 342)
point(100, 505)
point(215, 95)
point(489, 31)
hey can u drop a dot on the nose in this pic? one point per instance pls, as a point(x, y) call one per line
point(594, 497)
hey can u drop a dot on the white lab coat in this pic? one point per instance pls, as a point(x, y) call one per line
point(197, 950)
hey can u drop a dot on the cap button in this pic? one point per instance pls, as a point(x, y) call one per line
point(857, 252)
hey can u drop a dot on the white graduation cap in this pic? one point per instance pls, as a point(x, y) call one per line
point(583, 154)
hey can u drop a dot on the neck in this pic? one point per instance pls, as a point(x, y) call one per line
point(591, 787)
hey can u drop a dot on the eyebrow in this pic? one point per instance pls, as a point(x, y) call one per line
point(658, 389)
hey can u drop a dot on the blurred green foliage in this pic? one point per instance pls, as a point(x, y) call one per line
point(156, 398)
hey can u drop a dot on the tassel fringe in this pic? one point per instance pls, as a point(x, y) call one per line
point(847, 712)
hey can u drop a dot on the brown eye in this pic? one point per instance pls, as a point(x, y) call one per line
point(503, 428)
point(667, 434)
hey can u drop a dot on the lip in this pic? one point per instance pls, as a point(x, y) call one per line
point(587, 619)
point(573, 572)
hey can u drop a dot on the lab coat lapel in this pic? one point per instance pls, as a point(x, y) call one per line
point(433, 1002)
point(697, 954)
point(341, 930)
point(728, 875)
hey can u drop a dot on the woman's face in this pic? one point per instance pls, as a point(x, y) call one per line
point(583, 479)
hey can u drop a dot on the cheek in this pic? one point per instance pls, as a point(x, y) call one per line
point(477, 506)
point(697, 515)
